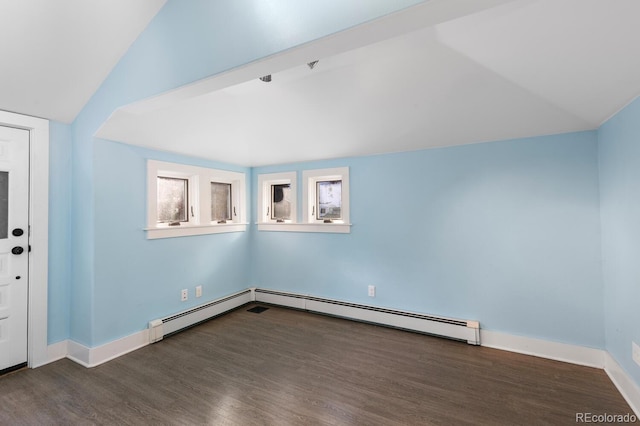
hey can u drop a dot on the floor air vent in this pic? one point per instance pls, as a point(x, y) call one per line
point(257, 309)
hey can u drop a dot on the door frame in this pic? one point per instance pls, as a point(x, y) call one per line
point(39, 232)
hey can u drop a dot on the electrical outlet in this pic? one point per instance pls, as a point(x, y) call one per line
point(199, 291)
point(635, 352)
point(372, 291)
point(184, 295)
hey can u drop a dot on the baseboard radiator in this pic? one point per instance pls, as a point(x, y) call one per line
point(162, 327)
point(451, 328)
point(457, 329)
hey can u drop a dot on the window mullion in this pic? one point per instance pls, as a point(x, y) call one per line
point(204, 193)
point(235, 199)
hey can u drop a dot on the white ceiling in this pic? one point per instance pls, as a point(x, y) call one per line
point(516, 69)
point(55, 54)
point(446, 72)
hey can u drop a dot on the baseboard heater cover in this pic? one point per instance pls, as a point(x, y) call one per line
point(162, 327)
point(458, 329)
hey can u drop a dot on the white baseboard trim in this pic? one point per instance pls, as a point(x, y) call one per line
point(528, 346)
point(92, 357)
point(78, 353)
point(627, 387)
point(55, 352)
point(573, 354)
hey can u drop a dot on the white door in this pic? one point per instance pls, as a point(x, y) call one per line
point(14, 246)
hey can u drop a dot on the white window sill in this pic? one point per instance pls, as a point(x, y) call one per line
point(187, 231)
point(334, 228)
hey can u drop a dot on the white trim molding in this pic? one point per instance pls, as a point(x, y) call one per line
point(629, 390)
point(564, 352)
point(334, 228)
point(39, 236)
point(92, 357)
point(222, 228)
point(55, 352)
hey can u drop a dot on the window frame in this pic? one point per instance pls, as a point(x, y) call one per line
point(271, 209)
point(230, 205)
point(309, 180)
point(199, 198)
point(265, 183)
point(310, 197)
point(189, 195)
point(316, 210)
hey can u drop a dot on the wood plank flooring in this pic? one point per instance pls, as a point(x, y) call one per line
point(285, 367)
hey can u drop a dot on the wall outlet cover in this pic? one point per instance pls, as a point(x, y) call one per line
point(372, 291)
point(635, 352)
point(184, 294)
point(199, 291)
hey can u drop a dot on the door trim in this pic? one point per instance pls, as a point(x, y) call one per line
point(39, 238)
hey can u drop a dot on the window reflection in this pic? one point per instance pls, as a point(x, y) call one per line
point(220, 201)
point(329, 201)
point(172, 199)
point(281, 202)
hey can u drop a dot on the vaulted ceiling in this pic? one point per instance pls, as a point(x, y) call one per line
point(55, 54)
point(412, 80)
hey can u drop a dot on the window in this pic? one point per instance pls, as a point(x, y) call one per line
point(281, 202)
point(173, 200)
point(326, 195)
point(221, 202)
point(329, 200)
point(277, 201)
point(325, 202)
point(186, 200)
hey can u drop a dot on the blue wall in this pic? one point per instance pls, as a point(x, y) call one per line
point(60, 231)
point(505, 232)
point(136, 279)
point(619, 154)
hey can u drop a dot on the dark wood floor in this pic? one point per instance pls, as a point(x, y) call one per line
point(287, 367)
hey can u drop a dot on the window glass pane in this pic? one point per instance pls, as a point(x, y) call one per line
point(281, 201)
point(173, 199)
point(220, 201)
point(329, 203)
point(4, 205)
